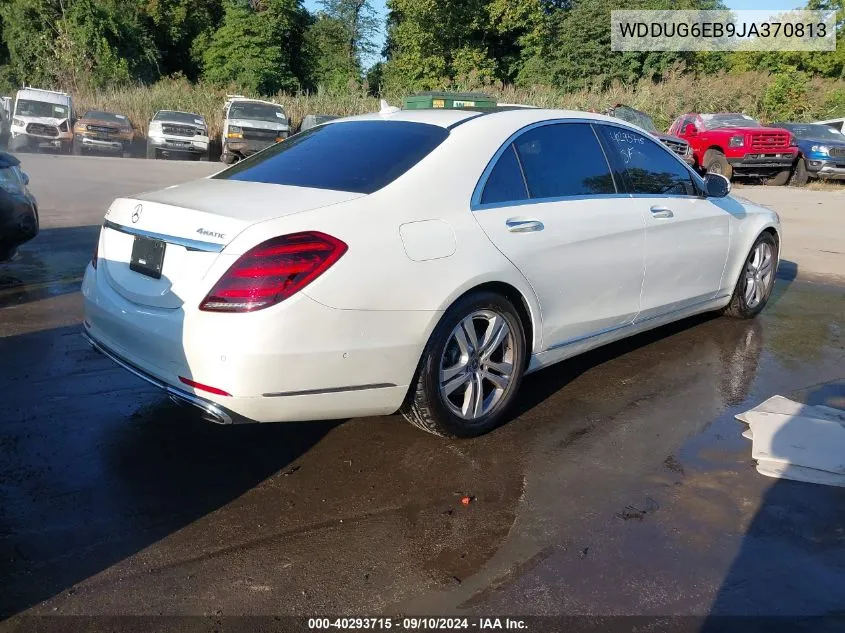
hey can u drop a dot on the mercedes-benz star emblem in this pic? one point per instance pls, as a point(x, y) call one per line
point(137, 214)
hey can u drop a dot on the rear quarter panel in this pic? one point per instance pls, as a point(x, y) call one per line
point(377, 273)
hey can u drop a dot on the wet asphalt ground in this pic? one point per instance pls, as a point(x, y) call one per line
point(621, 487)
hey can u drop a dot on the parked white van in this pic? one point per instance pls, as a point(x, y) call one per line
point(41, 119)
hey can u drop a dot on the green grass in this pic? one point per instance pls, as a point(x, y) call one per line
point(676, 94)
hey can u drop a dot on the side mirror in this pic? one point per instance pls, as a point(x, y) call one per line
point(690, 130)
point(25, 178)
point(717, 185)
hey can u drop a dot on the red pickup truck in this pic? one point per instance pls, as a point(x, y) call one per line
point(729, 143)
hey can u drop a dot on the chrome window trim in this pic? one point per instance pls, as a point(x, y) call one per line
point(530, 201)
point(191, 245)
point(477, 205)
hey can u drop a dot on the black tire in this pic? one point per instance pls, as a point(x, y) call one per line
point(714, 161)
point(739, 308)
point(152, 154)
point(780, 179)
point(800, 176)
point(425, 405)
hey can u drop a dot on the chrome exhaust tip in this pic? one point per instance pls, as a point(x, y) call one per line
point(210, 413)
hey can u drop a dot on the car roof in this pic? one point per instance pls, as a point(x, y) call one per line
point(46, 96)
point(449, 118)
point(248, 100)
point(117, 114)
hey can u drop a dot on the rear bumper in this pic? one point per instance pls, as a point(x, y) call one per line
point(295, 362)
point(212, 411)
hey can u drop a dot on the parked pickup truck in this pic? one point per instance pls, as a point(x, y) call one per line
point(836, 124)
point(822, 152)
point(179, 134)
point(631, 115)
point(250, 125)
point(731, 143)
point(103, 132)
point(313, 120)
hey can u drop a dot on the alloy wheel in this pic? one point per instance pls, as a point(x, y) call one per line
point(759, 273)
point(477, 364)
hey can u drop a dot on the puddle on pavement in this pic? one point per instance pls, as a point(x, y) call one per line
point(370, 510)
point(52, 264)
point(631, 457)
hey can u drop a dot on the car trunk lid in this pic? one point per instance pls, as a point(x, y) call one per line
point(192, 224)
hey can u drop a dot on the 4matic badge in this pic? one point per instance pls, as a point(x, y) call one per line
point(211, 234)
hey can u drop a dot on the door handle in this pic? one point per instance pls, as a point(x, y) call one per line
point(516, 225)
point(661, 212)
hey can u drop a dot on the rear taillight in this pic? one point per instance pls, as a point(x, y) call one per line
point(96, 253)
point(273, 271)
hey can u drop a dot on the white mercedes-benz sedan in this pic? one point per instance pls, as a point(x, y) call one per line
point(418, 261)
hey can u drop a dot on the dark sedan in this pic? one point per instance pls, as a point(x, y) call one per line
point(18, 209)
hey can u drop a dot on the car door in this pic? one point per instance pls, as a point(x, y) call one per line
point(687, 235)
point(549, 202)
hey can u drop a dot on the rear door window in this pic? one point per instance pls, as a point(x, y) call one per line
point(357, 156)
point(563, 160)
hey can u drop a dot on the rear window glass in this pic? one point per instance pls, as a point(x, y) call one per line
point(358, 156)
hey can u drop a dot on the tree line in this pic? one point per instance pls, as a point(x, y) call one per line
point(268, 46)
